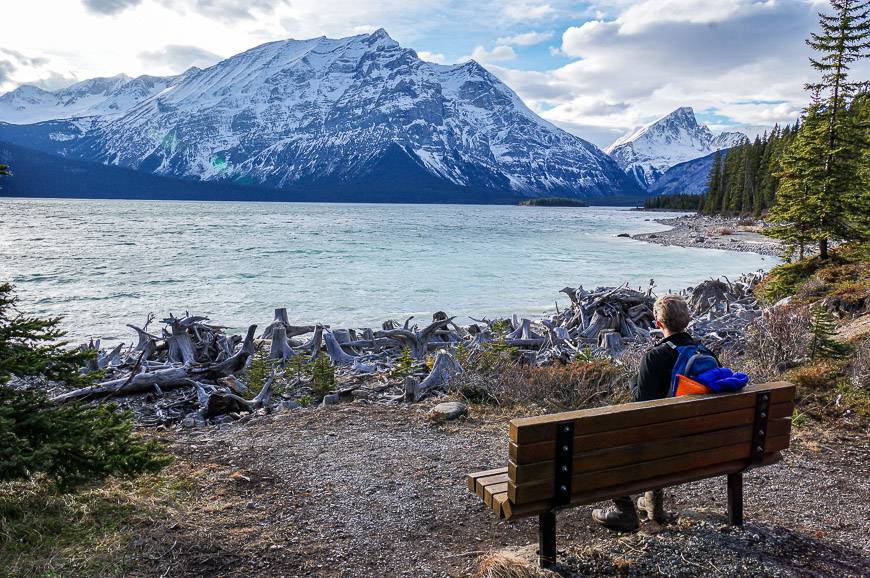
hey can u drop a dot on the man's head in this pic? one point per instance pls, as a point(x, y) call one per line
point(671, 313)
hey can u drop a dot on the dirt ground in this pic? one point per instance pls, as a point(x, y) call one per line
point(364, 490)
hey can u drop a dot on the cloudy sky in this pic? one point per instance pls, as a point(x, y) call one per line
point(597, 69)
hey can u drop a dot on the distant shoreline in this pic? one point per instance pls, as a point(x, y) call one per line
point(724, 233)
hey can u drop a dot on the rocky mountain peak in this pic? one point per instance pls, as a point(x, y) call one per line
point(646, 153)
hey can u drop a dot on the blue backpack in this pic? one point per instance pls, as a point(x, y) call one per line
point(692, 361)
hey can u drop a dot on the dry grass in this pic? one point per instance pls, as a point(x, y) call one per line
point(506, 564)
point(777, 340)
point(822, 375)
point(93, 531)
point(498, 378)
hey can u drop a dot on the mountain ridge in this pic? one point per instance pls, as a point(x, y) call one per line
point(339, 113)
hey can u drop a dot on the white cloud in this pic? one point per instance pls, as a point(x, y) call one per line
point(525, 39)
point(497, 54)
point(744, 60)
point(365, 29)
point(177, 58)
point(435, 57)
point(526, 11)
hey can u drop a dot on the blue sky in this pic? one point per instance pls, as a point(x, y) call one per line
point(597, 68)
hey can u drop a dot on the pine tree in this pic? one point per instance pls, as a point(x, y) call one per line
point(70, 444)
point(843, 40)
point(861, 111)
point(824, 330)
point(798, 197)
point(714, 194)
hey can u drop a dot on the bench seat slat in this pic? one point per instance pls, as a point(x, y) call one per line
point(492, 489)
point(610, 418)
point(482, 483)
point(543, 451)
point(471, 479)
point(498, 503)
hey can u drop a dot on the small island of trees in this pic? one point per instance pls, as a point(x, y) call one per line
point(553, 202)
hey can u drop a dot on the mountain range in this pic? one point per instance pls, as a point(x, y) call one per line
point(647, 153)
point(351, 119)
point(362, 116)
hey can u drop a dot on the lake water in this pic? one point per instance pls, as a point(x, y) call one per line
point(103, 264)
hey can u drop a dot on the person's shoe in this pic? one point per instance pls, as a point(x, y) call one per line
point(620, 516)
point(653, 505)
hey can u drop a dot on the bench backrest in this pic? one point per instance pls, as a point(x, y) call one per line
point(581, 457)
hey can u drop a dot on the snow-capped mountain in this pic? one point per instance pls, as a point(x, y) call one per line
point(359, 112)
point(649, 151)
point(110, 96)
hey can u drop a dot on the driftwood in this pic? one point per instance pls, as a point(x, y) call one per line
point(193, 369)
point(444, 369)
point(416, 341)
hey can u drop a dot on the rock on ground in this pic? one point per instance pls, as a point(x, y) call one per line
point(449, 410)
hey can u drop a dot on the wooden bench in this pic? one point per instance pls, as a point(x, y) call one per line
point(574, 458)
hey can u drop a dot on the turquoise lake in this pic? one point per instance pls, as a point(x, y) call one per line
point(103, 264)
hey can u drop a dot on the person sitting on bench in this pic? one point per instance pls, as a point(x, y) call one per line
point(653, 382)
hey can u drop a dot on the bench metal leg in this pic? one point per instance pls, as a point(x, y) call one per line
point(735, 499)
point(547, 539)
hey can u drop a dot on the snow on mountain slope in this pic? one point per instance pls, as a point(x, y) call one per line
point(94, 97)
point(345, 112)
point(676, 138)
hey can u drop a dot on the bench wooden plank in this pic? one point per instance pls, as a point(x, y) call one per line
point(542, 451)
point(622, 455)
point(608, 418)
point(498, 503)
point(472, 478)
point(629, 454)
point(587, 482)
point(512, 512)
point(491, 489)
point(481, 483)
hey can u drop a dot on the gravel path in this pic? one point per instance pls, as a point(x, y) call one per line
point(706, 232)
point(364, 490)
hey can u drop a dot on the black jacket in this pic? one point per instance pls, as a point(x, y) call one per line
point(654, 376)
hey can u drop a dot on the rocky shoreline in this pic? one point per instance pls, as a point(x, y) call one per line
point(705, 232)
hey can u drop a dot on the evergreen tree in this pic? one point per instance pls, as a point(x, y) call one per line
point(70, 444)
point(823, 330)
point(833, 139)
point(713, 198)
point(798, 197)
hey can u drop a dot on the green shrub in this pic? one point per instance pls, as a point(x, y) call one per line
point(259, 370)
point(70, 444)
point(322, 376)
point(298, 367)
point(784, 280)
point(404, 365)
point(847, 262)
